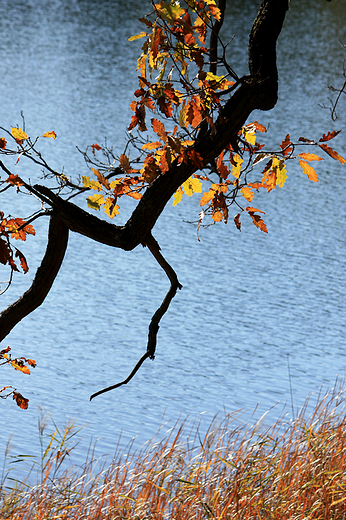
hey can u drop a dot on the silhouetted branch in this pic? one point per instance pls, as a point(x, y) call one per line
point(154, 248)
point(44, 278)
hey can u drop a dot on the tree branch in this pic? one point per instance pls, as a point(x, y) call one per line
point(44, 278)
point(154, 248)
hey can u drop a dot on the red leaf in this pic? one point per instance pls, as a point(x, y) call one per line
point(237, 221)
point(23, 262)
point(329, 136)
point(333, 153)
point(95, 147)
point(285, 145)
point(3, 143)
point(196, 158)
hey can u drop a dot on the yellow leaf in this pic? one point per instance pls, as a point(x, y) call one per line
point(309, 171)
point(192, 186)
point(247, 193)
point(250, 137)
point(138, 36)
point(110, 208)
point(178, 195)
point(95, 201)
point(236, 169)
point(280, 169)
point(19, 134)
point(50, 134)
point(91, 184)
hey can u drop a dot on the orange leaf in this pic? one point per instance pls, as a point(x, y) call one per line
point(21, 401)
point(217, 216)
point(3, 143)
point(310, 157)
point(95, 147)
point(19, 365)
point(247, 193)
point(151, 146)
point(207, 197)
point(196, 158)
point(159, 129)
point(309, 171)
point(332, 153)
point(50, 134)
point(256, 219)
point(23, 261)
point(15, 180)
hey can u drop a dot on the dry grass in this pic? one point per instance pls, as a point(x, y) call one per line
point(293, 470)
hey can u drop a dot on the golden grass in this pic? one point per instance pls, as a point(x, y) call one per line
point(292, 470)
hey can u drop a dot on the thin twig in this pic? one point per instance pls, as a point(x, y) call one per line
point(154, 248)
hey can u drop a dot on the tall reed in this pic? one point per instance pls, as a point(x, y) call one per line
point(292, 470)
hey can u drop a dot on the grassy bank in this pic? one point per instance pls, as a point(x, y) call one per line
point(292, 470)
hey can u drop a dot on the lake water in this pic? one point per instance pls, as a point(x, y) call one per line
point(249, 299)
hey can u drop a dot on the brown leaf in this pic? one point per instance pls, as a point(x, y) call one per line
point(196, 158)
point(333, 153)
point(21, 401)
point(237, 221)
point(329, 136)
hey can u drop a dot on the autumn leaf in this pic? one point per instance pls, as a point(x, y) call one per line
point(13, 226)
point(21, 401)
point(151, 146)
point(18, 364)
point(279, 167)
point(256, 219)
point(5, 253)
point(237, 221)
point(192, 186)
point(329, 136)
point(138, 36)
point(19, 135)
point(285, 145)
point(308, 170)
point(207, 197)
point(91, 184)
point(50, 134)
point(217, 216)
point(196, 158)
point(250, 137)
point(159, 129)
point(15, 180)
point(247, 193)
point(178, 195)
point(95, 201)
point(3, 143)
point(23, 262)
point(237, 166)
point(95, 147)
point(333, 153)
point(310, 157)
point(111, 208)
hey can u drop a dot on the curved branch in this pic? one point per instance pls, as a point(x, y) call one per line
point(154, 248)
point(44, 278)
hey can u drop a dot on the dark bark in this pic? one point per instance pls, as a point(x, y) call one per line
point(256, 91)
point(44, 278)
